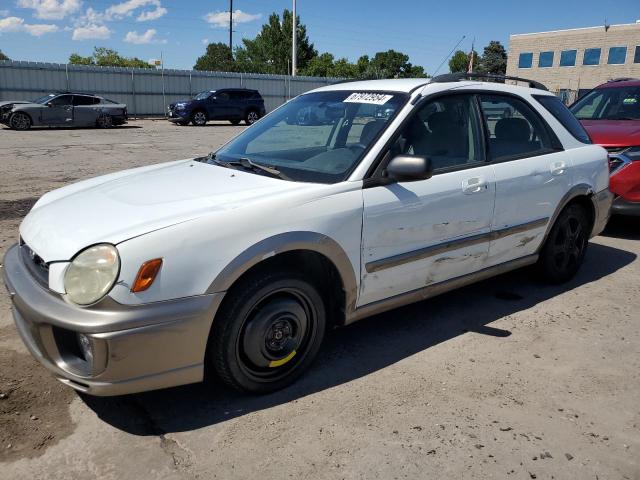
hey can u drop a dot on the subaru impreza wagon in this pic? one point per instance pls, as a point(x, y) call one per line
point(237, 263)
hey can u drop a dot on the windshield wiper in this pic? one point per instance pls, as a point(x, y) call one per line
point(247, 164)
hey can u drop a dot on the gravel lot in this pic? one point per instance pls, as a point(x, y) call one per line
point(504, 379)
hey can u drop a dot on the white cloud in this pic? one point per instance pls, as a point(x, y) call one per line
point(205, 41)
point(51, 9)
point(126, 9)
point(141, 38)
point(15, 24)
point(91, 32)
point(221, 19)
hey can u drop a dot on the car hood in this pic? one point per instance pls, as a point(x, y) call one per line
point(15, 102)
point(120, 206)
point(186, 102)
point(613, 133)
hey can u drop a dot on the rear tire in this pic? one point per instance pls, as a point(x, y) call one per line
point(267, 332)
point(564, 250)
point(20, 121)
point(251, 117)
point(199, 118)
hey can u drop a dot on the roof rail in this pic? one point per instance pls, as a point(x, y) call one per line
point(621, 79)
point(456, 77)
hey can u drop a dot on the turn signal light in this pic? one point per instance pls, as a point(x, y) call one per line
point(146, 275)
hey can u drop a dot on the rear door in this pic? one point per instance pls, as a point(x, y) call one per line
point(58, 111)
point(420, 233)
point(85, 110)
point(532, 175)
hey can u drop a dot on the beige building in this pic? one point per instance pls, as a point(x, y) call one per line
point(576, 59)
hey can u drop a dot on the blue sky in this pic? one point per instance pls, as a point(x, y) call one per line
point(50, 30)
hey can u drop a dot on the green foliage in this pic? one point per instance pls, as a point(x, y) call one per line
point(218, 57)
point(270, 51)
point(459, 62)
point(494, 58)
point(106, 57)
point(389, 64)
point(3, 56)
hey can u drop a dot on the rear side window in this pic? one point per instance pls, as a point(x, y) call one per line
point(564, 116)
point(81, 100)
point(515, 130)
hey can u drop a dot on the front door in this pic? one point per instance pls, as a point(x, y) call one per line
point(219, 106)
point(59, 111)
point(420, 233)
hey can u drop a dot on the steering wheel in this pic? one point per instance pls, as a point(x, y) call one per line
point(357, 147)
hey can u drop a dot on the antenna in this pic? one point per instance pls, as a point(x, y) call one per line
point(448, 55)
point(606, 25)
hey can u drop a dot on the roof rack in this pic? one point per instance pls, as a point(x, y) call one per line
point(456, 77)
point(621, 79)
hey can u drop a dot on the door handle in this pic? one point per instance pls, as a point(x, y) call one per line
point(558, 168)
point(474, 185)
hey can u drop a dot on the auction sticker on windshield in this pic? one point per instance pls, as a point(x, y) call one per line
point(368, 97)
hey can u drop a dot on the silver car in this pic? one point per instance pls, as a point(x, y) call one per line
point(63, 110)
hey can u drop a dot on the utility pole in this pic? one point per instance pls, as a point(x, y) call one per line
point(294, 52)
point(231, 26)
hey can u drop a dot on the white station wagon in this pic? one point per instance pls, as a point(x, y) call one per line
point(345, 202)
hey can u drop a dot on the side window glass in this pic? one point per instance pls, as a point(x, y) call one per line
point(446, 130)
point(61, 101)
point(223, 97)
point(514, 129)
point(80, 100)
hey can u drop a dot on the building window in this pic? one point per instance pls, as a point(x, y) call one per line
point(545, 59)
point(617, 55)
point(568, 58)
point(525, 60)
point(591, 56)
point(636, 57)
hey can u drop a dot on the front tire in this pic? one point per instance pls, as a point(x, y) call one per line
point(20, 121)
point(267, 333)
point(565, 247)
point(235, 122)
point(104, 121)
point(199, 118)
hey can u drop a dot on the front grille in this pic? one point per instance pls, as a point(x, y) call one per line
point(35, 264)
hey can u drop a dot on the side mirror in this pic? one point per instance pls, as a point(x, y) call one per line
point(409, 168)
point(49, 104)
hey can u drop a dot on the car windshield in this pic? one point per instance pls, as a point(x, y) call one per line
point(317, 137)
point(45, 99)
point(202, 95)
point(616, 103)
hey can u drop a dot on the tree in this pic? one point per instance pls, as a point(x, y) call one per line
point(106, 57)
point(494, 58)
point(320, 66)
point(270, 51)
point(389, 64)
point(218, 57)
point(3, 56)
point(459, 62)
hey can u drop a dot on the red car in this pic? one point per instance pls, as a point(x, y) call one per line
point(611, 115)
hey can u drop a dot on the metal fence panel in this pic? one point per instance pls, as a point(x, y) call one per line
point(145, 91)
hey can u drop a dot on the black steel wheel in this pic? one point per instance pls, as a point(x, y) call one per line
point(199, 118)
point(20, 121)
point(104, 121)
point(267, 332)
point(565, 247)
point(251, 117)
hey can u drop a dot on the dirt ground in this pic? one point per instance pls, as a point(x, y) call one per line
point(507, 378)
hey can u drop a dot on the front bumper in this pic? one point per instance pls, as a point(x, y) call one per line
point(139, 348)
point(621, 206)
point(178, 115)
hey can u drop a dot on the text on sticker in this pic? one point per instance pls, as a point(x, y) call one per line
point(372, 98)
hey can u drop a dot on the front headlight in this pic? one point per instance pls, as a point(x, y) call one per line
point(632, 153)
point(180, 106)
point(91, 274)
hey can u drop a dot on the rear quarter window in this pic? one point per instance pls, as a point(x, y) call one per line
point(561, 113)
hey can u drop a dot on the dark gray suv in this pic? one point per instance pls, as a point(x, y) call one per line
point(233, 104)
